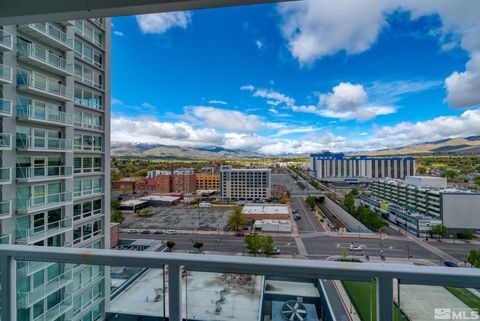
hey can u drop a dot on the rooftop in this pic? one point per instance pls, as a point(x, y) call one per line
point(270, 209)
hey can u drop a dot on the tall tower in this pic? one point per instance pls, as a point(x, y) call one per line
point(55, 164)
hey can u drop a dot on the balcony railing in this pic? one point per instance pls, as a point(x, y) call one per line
point(384, 274)
point(40, 173)
point(58, 310)
point(5, 175)
point(44, 201)
point(5, 141)
point(6, 239)
point(27, 298)
point(44, 114)
point(5, 209)
point(42, 85)
point(41, 232)
point(43, 58)
point(51, 34)
point(31, 143)
point(6, 42)
point(5, 74)
point(5, 107)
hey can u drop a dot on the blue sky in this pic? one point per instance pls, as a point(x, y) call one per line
point(298, 77)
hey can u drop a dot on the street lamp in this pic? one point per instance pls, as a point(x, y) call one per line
point(408, 251)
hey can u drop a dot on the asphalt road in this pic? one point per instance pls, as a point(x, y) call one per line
point(457, 250)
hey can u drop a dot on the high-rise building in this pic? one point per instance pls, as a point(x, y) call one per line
point(245, 184)
point(55, 146)
point(183, 180)
point(337, 167)
point(210, 181)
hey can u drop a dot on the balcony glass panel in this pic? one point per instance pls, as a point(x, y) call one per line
point(6, 40)
point(43, 172)
point(5, 209)
point(39, 82)
point(5, 74)
point(41, 143)
point(53, 32)
point(38, 53)
point(5, 175)
point(42, 200)
point(43, 231)
point(5, 107)
point(47, 114)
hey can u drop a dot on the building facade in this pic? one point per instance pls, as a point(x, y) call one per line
point(338, 167)
point(245, 184)
point(206, 181)
point(55, 146)
point(183, 181)
point(420, 203)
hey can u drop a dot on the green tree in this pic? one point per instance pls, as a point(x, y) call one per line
point(440, 230)
point(354, 192)
point(253, 244)
point(237, 219)
point(268, 245)
point(349, 202)
point(474, 258)
point(311, 201)
point(117, 216)
point(198, 245)
point(421, 170)
point(115, 204)
point(477, 180)
point(466, 235)
point(170, 245)
point(145, 212)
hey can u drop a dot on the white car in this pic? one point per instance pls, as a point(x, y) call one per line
point(354, 247)
point(171, 232)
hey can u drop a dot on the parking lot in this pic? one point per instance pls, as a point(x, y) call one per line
point(180, 217)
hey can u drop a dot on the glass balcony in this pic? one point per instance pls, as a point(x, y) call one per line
point(6, 43)
point(27, 298)
point(34, 234)
point(41, 85)
point(5, 74)
point(31, 143)
point(44, 114)
point(49, 34)
point(5, 239)
point(5, 141)
point(41, 202)
point(44, 59)
point(42, 173)
point(5, 209)
point(5, 107)
point(5, 175)
point(57, 311)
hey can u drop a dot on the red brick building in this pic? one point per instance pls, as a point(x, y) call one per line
point(183, 181)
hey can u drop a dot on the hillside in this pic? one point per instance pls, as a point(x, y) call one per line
point(468, 145)
point(177, 152)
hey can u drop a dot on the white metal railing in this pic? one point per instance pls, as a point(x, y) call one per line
point(5, 73)
point(44, 56)
point(44, 114)
point(33, 143)
point(89, 82)
point(61, 308)
point(33, 173)
point(40, 82)
point(41, 232)
point(52, 32)
point(27, 298)
point(88, 125)
point(5, 107)
point(85, 33)
point(311, 269)
point(42, 201)
point(6, 39)
point(5, 239)
point(5, 209)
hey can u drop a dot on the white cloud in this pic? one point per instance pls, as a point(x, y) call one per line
point(158, 23)
point(116, 101)
point(275, 98)
point(118, 33)
point(247, 87)
point(318, 28)
point(225, 119)
point(217, 102)
point(259, 44)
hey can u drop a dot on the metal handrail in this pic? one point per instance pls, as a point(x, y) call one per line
point(46, 200)
point(314, 269)
point(39, 81)
point(6, 39)
point(52, 32)
point(44, 113)
point(42, 143)
point(5, 106)
point(38, 53)
point(39, 172)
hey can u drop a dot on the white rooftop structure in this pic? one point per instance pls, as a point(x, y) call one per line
point(266, 209)
point(164, 198)
point(426, 181)
point(273, 225)
point(132, 202)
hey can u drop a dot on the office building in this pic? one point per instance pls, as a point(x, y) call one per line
point(245, 184)
point(419, 203)
point(207, 182)
point(55, 146)
point(337, 167)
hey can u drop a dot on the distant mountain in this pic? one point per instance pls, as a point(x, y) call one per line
point(467, 145)
point(178, 152)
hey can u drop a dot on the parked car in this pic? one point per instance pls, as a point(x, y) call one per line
point(171, 232)
point(276, 250)
point(450, 264)
point(354, 247)
point(296, 217)
point(238, 233)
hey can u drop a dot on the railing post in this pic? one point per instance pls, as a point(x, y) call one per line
point(384, 292)
point(175, 292)
point(8, 290)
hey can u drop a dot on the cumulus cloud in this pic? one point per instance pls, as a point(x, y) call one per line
point(225, 119)
point(118, 33)
point(158, 23)
point(318, 28)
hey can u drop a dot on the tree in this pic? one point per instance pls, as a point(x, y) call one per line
point(237, 219)
point(349, 202)
point(145, 212)
point(170, 245)
point(117, 217)
point(440, 230)
point(115, 204)
point(421, 170)
point(284, 199)
point(466, 235)
point(477, 180)
point(354, 192)
point(268, 245)
point(311, 201)
point(198, 245)
point(253, 244)
point(474, 258)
